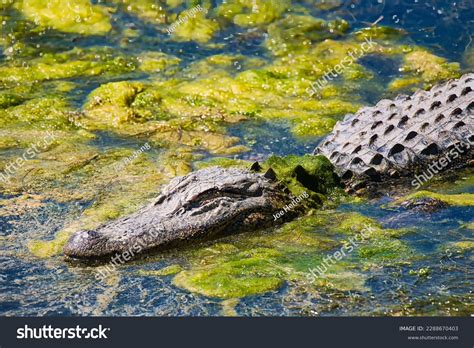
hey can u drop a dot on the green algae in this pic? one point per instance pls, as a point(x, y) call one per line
point(422, 272)
point(223, 162)
point(470, 226)
point(422, 69)
point(150, 11)
point(302, 173)
point(163, 272)
point(462, 199)
point(195, 28)
point(80, 16)
point(9, 99)
point(153, 62)
point(461, 246)
point(252, 13)
point(254, 264)
point(380, 33)
point(109, 104)
point(383, 250)
point(242, 274)
point(51, 112)
point(297, 32)
point(74, 63)
point(46, 249)
point(314, 126)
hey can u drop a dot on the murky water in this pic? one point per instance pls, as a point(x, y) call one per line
point(422, 271)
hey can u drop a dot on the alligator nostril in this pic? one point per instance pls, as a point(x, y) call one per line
point(92, 234)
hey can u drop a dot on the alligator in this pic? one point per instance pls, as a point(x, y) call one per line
point(393, 139)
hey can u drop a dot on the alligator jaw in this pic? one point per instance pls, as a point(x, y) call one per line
point(202, 205)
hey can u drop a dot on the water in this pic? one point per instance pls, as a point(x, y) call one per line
point(32, 286)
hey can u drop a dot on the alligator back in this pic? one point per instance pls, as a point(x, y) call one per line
point(401, 136)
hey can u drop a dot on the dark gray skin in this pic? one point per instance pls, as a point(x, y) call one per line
point(394, 138)
point(205, 204)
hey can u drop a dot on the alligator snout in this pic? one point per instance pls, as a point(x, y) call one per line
point(86, 243)
point(202, 205)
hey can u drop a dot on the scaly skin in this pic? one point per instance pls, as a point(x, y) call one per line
point(205, 204)
point(404, 136)
point(397, 136)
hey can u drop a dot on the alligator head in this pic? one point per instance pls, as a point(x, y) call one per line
point(202, 205)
